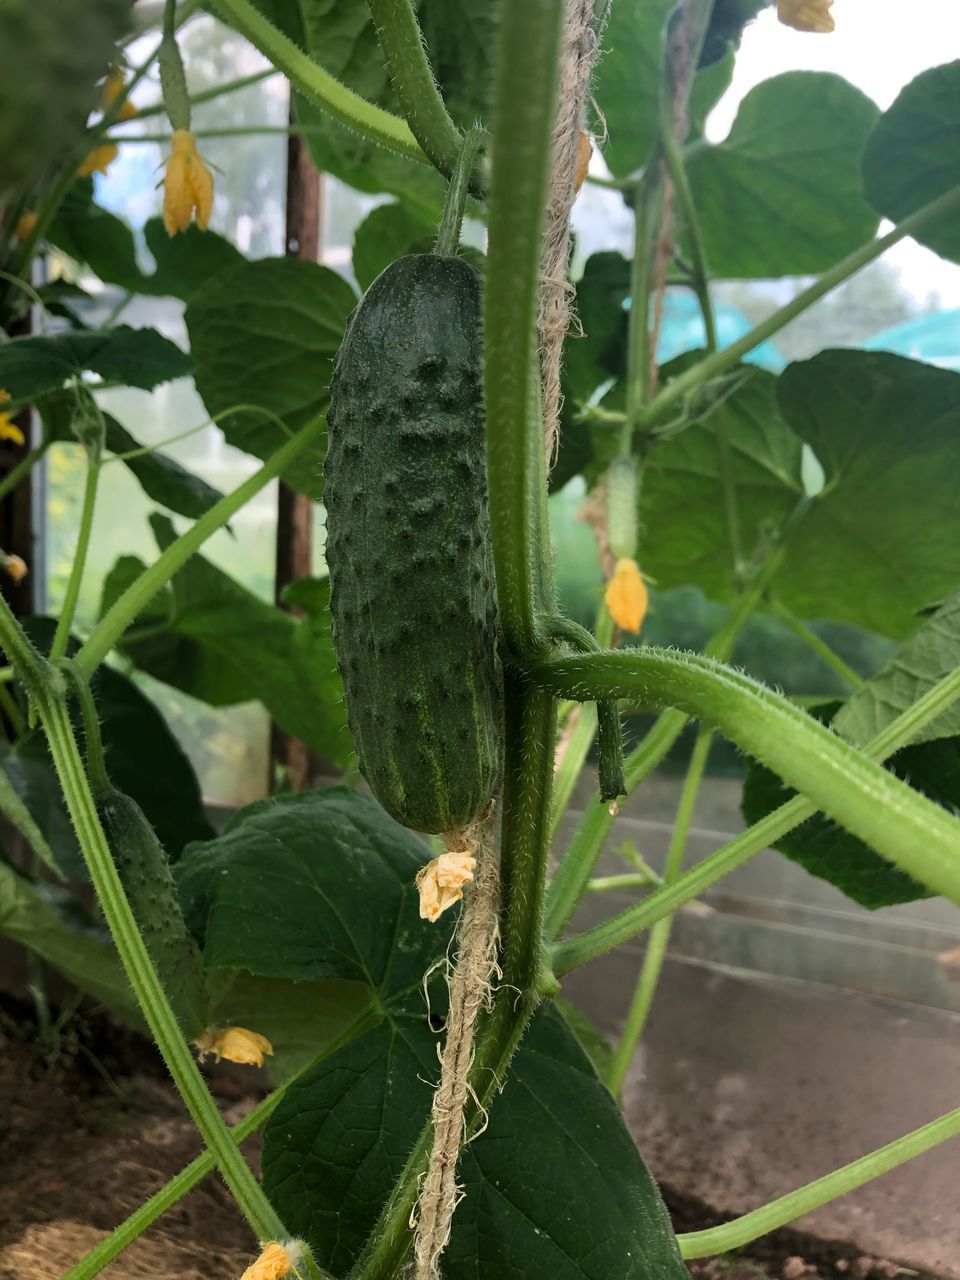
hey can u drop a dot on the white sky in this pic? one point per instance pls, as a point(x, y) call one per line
point(879, 45)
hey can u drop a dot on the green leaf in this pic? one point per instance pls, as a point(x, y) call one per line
point(265, 334)
point(913, 155)
point(882, 540)
point(725, 30)
point(920, 662)
point(143, 358)
point(627, 81)
point(387, 232)
point(29, 916)
point(144, 759)
point(29, 773)
point(781, 195)
point(833, 854)
point(161, 477)
point(601, 353)
point(223, 644)
point(186, 262)
point(93, 235)
point(589, 1036)
point(684, 536)
point(313, 885)
point(553, 1186)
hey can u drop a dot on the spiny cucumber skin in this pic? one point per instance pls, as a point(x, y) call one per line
point(144, 871)
point(408, 545)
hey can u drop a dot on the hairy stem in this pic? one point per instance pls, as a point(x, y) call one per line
point(74, 582)
point(311, 79)
point(448, 233)
point(720, 361)
point(140, 592)
point(413, 82)
point(621, 928)
point(733, 1235)
point(656, 950)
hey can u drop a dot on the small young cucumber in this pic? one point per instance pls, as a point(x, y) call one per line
point(408, 545)
point(144, 871)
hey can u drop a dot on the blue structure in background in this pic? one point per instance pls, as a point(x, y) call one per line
point(683, 330)
point(934, 338)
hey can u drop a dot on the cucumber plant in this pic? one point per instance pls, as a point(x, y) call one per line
point(432, 419)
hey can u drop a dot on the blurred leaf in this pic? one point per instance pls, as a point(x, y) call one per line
point(143, 358)
point(161, 477)
point(30, 774)
point(882, 540)
point(144, 759)
point(187, 261)
point(922, 661)
point(223, 644)
point(14, 810)
point(265, 334)
point(386, 233)
point(51, 56)
point(781, 194)
point(93, 235)
point(829, 852)
point(554, 1186)
point(29, 916)
point(589, 1036)
point(725, 30)
point(627, 81)
point(683, 524)
point(913, 155)
point(600, 354)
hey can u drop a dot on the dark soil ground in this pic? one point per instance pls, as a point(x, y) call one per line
point(89, 1128)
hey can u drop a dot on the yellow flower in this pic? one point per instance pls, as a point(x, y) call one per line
point(15, 568)
point(627, 596)
point(113, 86)
point(806, 15)
point(275, 1262)
point(98, 160)
point(25, 224)
point(441, 882)
point(188, 188)
point(236, 1044)
point(8, 429)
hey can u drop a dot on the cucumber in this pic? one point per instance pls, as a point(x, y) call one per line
point(144, 871)
point(408, 545)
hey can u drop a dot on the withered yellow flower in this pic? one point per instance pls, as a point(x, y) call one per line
point(806, 15)
point(98, 160)
point(25, 224)
point(113, 86)
point(275, 1262)
point(236, 1044)
point(584, 152)
point(627, 596)
point(441, 882)
point(8, 428)
point(188, 188)
point(15, 567)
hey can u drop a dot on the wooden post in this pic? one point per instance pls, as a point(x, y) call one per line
point(294, 510)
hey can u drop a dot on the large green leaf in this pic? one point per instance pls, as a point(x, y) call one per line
point(920, 662)
point(913, 155)
point(161, 477)
point(683, 523)
point(828, 851)
point(221, 643)
point(781, 194)
point(627, 81)
point(386, 233)
point(882, 540)
point(34, 366)
point(265, 334)
point(186, 262)
point(553, 1186)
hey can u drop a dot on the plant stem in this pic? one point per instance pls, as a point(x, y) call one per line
point(311, 79)
point(413, 82)
point(139, 969)
point(140, 592)
point(903, 825)
point(814, 642)
point(576, 750)
point(13, 713)
point(448, 234)
point(732, 1235)
point(638, 321)
point(68, 608)
point(95, 760)
point(621, 928)
point(122, 1236)
point(205, 95)
point(528, 49)
point(23, 468)
point(630, 880)
point(720, 361)
point(656, 950)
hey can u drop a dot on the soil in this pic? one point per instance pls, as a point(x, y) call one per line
point(90, 1128)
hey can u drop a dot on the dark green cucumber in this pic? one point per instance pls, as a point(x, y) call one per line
point(408, 545)
point(144, 871)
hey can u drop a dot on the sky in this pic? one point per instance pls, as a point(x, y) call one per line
point(879, 45)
